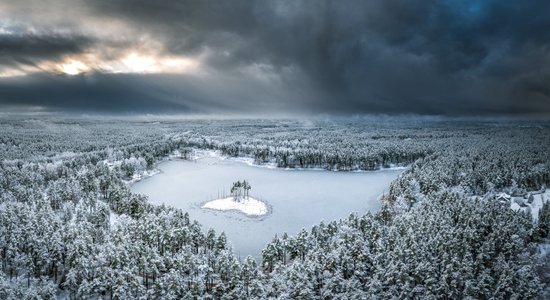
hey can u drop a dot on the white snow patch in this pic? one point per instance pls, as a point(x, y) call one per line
point(217, 154)
point(391, 167)
point(200, 153)
point(272, 164)
point(538, 200)
point(248, 206)
point(251, 162)
point(544, 249)
point(114, 219)
point(515, 206)
point(141, 175)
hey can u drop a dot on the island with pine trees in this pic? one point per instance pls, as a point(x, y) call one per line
point(239, 200)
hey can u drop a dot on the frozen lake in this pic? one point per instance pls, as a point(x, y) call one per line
point(298, 198)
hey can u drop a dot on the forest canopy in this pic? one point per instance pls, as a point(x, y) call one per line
point(70, 226)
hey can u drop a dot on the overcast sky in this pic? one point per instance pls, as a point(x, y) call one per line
point(261, 57)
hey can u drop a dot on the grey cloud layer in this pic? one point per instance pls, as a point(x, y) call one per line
point(29, 48)
point(393, 56)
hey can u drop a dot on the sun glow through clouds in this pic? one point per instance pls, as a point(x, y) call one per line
point(136, 63)
point(74, 67)
point(125, 63)
point(139, 64)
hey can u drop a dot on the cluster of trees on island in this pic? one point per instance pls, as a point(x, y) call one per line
point(240, 190)
point(70, 227)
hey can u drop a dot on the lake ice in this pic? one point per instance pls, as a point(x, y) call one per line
point(297, 198)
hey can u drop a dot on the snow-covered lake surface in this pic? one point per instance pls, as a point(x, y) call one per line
point(296, 198)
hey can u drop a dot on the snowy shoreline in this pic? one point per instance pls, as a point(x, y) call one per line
point(250, 206)
point(203, 153)
point(142, 175)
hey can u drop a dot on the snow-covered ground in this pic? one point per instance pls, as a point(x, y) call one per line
point(522, 203)
point(248, 206)
point(141, 175)
point(250, 161)
point(114, 219)
point(137, 176)
point(202, 153)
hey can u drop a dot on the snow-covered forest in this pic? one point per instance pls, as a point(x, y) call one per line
point(71, 228)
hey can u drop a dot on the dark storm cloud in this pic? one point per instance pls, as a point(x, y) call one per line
point(375, 56)
point(91, 92)
point(23, 47)
point(393, 56)
point(139, 93)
